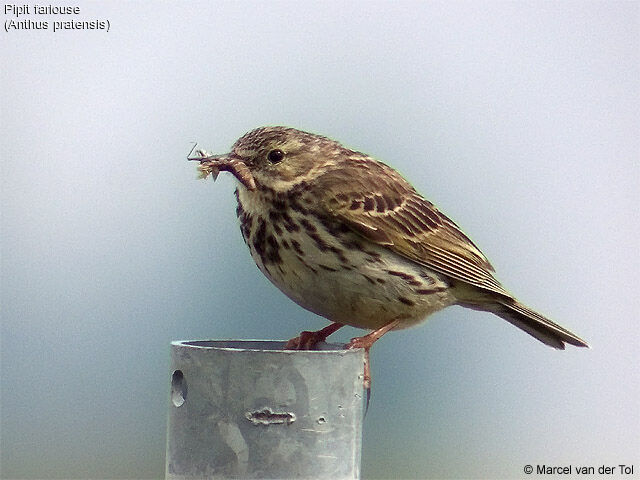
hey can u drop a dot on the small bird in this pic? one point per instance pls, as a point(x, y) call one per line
point(348, 238)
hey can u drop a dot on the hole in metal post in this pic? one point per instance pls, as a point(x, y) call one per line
point(266, 416)
point(178, 388)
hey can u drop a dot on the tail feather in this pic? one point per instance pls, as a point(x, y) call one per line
point(526, 319)
point(536, 325)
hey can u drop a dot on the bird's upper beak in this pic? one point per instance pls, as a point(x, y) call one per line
point(229, 162)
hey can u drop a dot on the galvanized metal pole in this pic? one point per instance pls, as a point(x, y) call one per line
point(249, 409)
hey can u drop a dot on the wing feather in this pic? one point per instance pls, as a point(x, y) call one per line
point(377, 203)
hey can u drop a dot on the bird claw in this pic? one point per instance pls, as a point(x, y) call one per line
point(363, 342)
point(309, 340)
point(358, 342)
point(305, 341)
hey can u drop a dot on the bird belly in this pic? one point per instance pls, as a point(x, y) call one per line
point(350, 296)
point(343, 277)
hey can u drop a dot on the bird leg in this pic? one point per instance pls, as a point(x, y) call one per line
point(308, 340)
point(366, 341)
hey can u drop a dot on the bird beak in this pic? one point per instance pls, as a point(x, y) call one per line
point(229, 162)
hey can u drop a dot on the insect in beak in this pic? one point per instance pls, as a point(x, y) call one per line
point(214, 164)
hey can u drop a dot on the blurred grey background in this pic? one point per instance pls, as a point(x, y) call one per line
point(519, 120)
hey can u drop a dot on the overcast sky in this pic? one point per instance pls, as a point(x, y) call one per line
point(519, 120)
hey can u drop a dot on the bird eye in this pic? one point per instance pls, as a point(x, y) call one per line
point(275, 156)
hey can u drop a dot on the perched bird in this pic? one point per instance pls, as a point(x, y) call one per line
point(347, 237)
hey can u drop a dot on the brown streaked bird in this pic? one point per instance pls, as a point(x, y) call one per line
point(347, 237)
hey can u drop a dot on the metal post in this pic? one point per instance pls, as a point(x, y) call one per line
point(249, 409)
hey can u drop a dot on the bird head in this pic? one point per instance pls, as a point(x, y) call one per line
point(275, 158)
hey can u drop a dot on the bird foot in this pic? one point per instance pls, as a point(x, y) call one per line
point(305, 341)
point(309, 340)
point(366, 341)
point(361, 342)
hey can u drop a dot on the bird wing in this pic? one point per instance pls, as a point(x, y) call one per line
point(379, 204)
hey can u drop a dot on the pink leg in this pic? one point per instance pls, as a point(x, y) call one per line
point(366, 341)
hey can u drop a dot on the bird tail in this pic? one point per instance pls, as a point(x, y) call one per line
point(536, 325)
point(527, 320)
